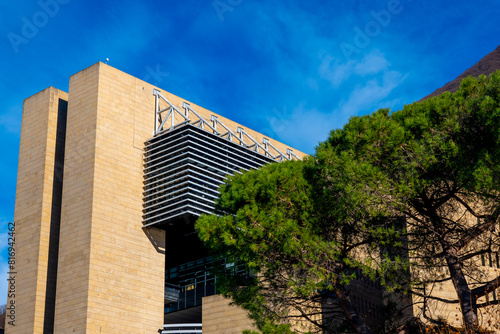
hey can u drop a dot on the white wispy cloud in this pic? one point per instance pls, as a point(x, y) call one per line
point(365, 97)
point(303, 127)
point(369, 81)
point(372, 63)
point(335, 71)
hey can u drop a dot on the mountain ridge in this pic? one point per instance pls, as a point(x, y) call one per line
point(487, 65)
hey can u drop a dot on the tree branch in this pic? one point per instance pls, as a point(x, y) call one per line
point(443, 200)
point(493, 302)
point(447, 301)
point(468, 208)
point(477, 230)
point(486, 288)
point(471, 255)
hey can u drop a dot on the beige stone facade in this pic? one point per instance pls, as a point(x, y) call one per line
point(110, 271)
point(33, 209)
point(479, 270)
point(221, 317)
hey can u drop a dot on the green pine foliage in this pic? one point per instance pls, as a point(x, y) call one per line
point(388, 193)
point(437, 164)
point(267, 220)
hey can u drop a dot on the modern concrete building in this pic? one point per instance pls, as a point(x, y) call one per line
point(111, 177)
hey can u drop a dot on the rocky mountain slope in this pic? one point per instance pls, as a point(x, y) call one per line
point(490, 63)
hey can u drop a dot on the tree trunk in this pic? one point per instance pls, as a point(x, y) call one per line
point(467, 301)
point(351, 314)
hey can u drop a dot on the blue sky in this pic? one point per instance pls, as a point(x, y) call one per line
point(293, 70)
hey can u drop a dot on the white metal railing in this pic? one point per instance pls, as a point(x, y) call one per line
point(181, 328)
point(179, 118)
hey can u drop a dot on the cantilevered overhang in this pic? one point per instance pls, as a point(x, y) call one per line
point(186, 162)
